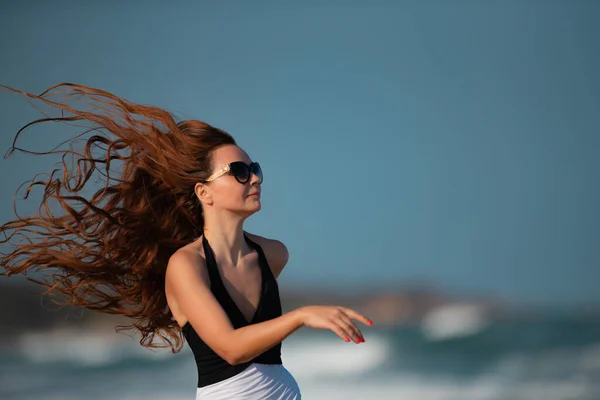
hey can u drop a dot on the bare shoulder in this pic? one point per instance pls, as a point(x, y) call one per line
point(185, 261)
point(186, 273)
point(275, 251)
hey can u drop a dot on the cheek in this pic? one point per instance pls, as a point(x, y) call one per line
point(230, 194)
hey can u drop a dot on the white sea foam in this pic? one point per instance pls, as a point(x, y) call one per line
point(427, 389)
point(333, 357)
point(324, 366)
point(401, 388)
point(82, 348)
point(454, 320)
point(591, 359)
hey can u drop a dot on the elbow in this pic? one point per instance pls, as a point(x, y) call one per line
point(233, 356)
point(235, 359)
point(234, 350)
point(232, 360)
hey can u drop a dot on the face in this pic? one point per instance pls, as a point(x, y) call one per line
point(225, 192)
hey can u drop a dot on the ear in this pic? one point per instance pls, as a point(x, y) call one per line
point(203, 193)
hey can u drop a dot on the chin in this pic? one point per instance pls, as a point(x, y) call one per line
point(252, 208)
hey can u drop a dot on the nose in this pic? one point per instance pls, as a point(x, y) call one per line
point(254, 179)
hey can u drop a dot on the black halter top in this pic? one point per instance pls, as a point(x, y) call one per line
point(211, 367)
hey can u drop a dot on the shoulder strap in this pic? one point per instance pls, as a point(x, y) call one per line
point(262, 259)
point(211, 264)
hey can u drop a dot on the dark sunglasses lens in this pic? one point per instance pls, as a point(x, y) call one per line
point(256, 170)
point(240, 171)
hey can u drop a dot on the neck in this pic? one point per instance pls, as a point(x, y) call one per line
point(225, 233)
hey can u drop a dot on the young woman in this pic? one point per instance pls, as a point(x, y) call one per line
point(163, 242)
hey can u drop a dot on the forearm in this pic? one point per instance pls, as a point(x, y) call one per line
point(250, 341)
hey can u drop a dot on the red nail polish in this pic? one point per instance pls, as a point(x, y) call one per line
point(347, 339)
point(370, 322)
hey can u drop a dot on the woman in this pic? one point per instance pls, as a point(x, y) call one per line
point(162, 242)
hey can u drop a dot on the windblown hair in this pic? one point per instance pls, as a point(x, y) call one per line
point(109, 251)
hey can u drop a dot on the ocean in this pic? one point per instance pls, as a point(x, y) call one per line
point(547, 357)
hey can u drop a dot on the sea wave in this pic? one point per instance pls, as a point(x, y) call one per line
point(505, 361)
point(453, 321)
point(331, 357)
point(83, 348)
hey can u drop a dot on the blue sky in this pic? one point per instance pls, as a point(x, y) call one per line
point(431, 141)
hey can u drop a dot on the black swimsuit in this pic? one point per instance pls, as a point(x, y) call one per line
point(211, 367)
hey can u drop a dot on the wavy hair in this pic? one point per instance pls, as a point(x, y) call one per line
point(108, 252)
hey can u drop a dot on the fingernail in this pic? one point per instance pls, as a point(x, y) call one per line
point(370, 322)
point(347, 339)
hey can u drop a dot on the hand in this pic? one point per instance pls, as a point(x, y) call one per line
point(335, 318)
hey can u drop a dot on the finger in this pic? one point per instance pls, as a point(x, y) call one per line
point(357, 316)
point(349, 326)
point(339, 331)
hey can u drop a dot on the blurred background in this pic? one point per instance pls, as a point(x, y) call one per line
point(433, 164)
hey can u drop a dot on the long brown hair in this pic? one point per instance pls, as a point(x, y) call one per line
point(108, 252)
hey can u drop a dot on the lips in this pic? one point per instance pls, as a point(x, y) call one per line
point(254, 194)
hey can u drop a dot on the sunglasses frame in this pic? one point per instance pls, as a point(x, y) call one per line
point(227, 168)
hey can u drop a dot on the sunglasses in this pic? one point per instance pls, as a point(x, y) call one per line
point(241, 171)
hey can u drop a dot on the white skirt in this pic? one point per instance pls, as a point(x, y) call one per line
point(257, 382)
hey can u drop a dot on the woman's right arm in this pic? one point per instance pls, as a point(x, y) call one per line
point(187, 280)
